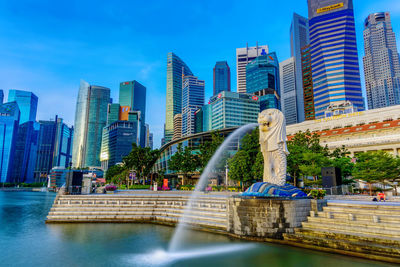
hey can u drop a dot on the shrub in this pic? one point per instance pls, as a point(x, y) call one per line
point(139, 186)
point(317, 193)
point(111, 187)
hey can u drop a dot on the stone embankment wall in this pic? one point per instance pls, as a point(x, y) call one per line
point(266, 217)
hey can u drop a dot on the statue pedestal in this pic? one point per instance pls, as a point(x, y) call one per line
point(266, 217)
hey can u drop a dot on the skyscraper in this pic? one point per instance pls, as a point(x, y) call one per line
point(243, 57)
point(176, 69)
point(262, 75)
point(231, 109)
point(133, 94)
point(308, 92)
point(381, 62)
point(299, 38)
point(334, 59)
point(25, 152)
point(90, 118)
point(287, 73)
point(117, 142)
point(54, 147)
point(222, 77)
point(177, 126)
point(1, 96)
point(27, 103)
point(192, 100)
point(9, 122)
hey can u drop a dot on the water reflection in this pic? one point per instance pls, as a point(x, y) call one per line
point(25, 240)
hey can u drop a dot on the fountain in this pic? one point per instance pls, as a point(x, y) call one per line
point(177, 238)
point(244, 213)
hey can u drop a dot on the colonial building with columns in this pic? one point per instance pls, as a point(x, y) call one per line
point(370, 130)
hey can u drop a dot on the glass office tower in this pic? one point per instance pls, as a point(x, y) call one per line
point(1, 96)
point(231, 109)
point(287, 73)
point(117, 142)
point(26, 152)
point(27, 103)
point(221, 77)
point(262, 80)
point(299, 37)
point(334, 58)
point(192, 100)
point(381, 62)
point(54, 147)
point(9, 122)
point(133, 94)
point(176, 69)
point(90, 119)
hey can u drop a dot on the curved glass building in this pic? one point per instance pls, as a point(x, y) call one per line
point(90, 118)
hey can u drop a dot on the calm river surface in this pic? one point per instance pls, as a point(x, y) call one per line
point(25, 240)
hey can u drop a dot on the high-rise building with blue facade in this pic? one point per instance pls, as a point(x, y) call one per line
point(176, 69)
point(192, 100)
point(133, 94)
point(1, 96)
point(26, 152)
point(27, 103)
point(117, 141)
point(90, 119)
point(203, 117)
point(222, 77)
point(299, 38)
point(54, 147)
point(262, 80)
point(27, 140)
point(334, 58)
point(9, 122)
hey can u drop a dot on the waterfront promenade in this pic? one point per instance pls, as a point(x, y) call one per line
point(359, 228)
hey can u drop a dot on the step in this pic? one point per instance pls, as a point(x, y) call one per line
point(124, 212)
point(364, 205)
point(348, 236)
point(355, 246)
point(116, 215)
point(130, 208)
point(364, 217)
point(365, 224)
point(350, 229)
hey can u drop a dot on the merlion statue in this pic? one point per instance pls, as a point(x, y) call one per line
point(272, 127)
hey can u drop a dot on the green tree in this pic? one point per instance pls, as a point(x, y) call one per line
point(248, 163)
point(207, 149)
point(373, 167)
point(301, 146)
point(184, 161)
point(312, 164)
point(113, 171)
point(140, 160)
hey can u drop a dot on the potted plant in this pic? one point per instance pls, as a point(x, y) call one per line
point(110, 188)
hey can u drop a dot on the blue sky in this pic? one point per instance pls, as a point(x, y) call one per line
point(47, 46)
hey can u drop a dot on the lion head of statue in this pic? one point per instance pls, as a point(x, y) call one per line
point(272, 127)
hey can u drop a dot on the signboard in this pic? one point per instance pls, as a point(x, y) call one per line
point(254, 97)
point(165, 183)
point(340, 116)
point(329, 8)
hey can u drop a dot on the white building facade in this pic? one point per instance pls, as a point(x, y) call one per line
point(243, 57)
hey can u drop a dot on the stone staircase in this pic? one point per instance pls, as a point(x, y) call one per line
point(206, 211)
point(353, 227)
